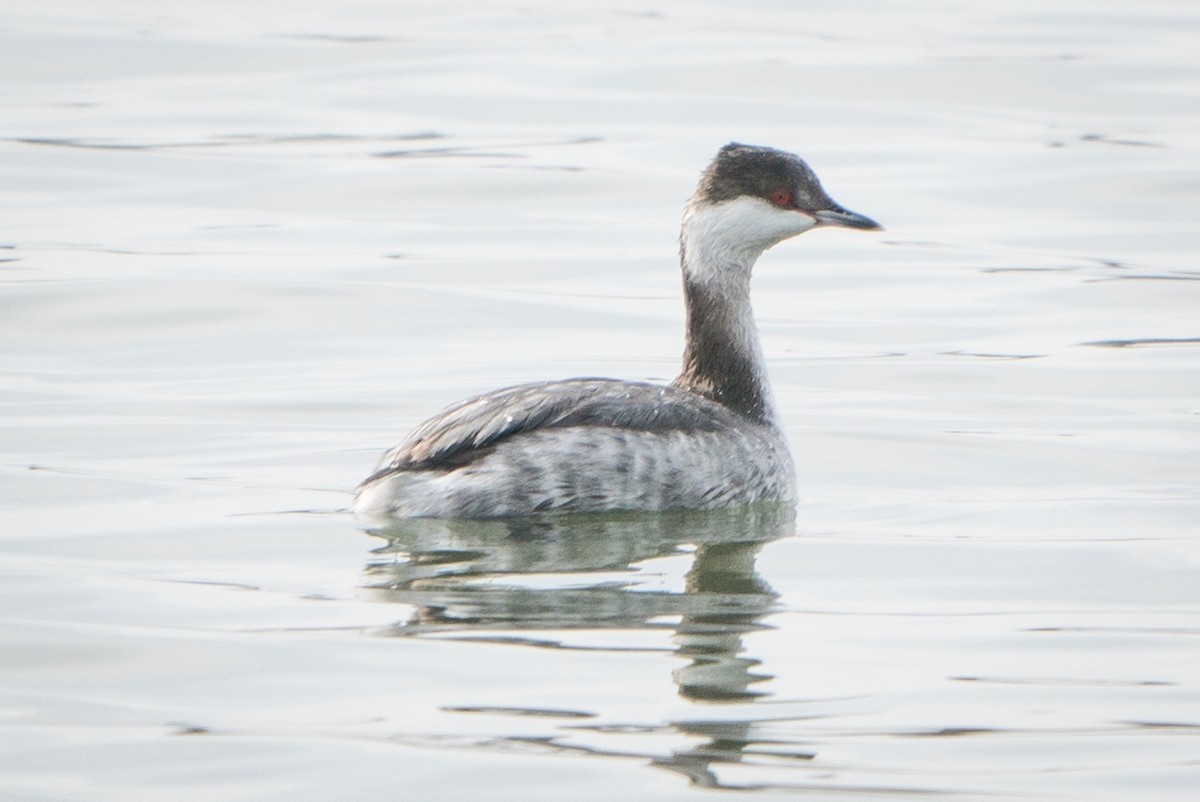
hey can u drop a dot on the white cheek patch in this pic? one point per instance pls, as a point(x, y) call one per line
point(734, 233)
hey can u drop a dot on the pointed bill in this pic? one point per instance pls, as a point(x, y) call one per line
point(837, 216)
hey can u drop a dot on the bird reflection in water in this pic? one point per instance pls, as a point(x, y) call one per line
point(488, 579)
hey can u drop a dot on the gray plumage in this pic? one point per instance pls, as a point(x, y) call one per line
point(575, 446)
point(463, 432)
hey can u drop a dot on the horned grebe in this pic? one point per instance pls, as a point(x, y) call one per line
point(710, 439)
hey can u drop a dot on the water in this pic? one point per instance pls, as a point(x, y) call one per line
point(246, 246)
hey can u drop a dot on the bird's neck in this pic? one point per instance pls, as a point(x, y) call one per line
point(723, 358)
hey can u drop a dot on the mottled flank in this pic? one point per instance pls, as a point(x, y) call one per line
point(575, 446)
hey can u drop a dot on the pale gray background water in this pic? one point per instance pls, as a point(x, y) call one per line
point(246, 245)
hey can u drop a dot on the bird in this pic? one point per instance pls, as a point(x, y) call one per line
point(710, 439)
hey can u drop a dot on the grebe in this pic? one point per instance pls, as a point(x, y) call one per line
point(710, 439)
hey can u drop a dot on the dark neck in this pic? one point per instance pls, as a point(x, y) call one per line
point(721, 358)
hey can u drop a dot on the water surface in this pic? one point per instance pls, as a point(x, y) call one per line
point(247, 246)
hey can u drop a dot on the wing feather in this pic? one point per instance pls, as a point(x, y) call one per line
point(472, 427)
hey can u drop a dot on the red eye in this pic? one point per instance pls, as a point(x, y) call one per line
point(782, 198)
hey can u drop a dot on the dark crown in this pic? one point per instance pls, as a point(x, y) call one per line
point(758, 172)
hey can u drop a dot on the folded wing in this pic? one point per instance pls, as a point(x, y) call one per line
point(469, 429)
